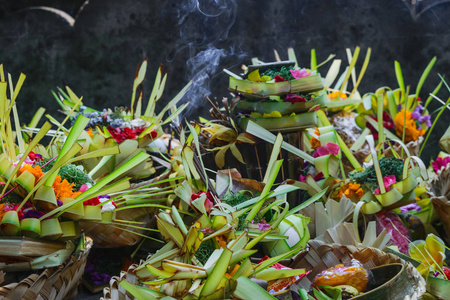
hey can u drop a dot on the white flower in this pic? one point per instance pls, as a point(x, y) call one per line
point(107, 206)
point(138, 123)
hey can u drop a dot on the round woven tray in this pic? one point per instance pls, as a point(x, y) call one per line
point(59, 282)
point(321, 256)
point(117, 235)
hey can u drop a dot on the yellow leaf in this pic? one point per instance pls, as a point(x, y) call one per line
point(246, 138)
point(254, 76)
point(256, 115)
point(224, 134)
point(274, 114)
point(236, 153)
point(220, 156)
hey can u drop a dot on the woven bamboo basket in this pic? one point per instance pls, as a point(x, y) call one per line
point(440, 188)
point(116, 291)
point(322, 256)
point(58, 282)
point(118, 235)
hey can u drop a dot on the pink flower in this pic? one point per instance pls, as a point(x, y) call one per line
point(394, 226)
point(83, 188)
point(440, 163)
point(207, 230)
point(388, 181)
point(263, 226)
point(302, 178)
point(299, 73)
point(329, 148)
point(318, 177)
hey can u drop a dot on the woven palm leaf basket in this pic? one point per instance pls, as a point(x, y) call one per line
point(55, 282)
point(407, 285)
point(117, 234)
point(440, 188)
point(116, 291)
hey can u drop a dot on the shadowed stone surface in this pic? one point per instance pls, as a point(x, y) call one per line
point(97, 57)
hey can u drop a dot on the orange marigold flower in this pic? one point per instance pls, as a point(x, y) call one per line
point(341, 191)
point(354, 189)
point(334, 95)
point(64, 188)
point(315, 143)
point(229, 275)
point(90, 132)
point(412, 133)
point(2, 211)
point(350, 190)
point(36, 171)
point(221, 240)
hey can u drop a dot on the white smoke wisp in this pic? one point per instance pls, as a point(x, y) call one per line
point(200, 69)
point(204, 28)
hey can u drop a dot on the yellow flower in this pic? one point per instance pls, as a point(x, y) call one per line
point(430, 253)
point(64, 188)
point(412, 133)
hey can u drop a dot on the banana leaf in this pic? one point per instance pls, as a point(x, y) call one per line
point(303, 85)
point(283, 124)
point(284, 108)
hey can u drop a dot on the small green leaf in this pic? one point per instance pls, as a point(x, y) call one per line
point(248, 290)
point(140, 293)
point(424, 76)
point(217, 273)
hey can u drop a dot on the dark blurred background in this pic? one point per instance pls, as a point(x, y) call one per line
point(95, 46)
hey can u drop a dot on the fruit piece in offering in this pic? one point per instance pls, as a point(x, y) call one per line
point(354, 275)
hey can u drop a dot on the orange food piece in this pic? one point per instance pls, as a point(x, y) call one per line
point(354, 276)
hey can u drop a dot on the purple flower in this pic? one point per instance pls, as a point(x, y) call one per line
point(99, 278)
point(410, 207)
point(417, 115)
point(419, 109)
point(32, 214)
point(59, 202)
point(263, 226)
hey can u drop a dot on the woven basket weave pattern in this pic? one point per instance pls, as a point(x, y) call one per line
point(108, 236)
point(323, 256)
point(52, 283)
